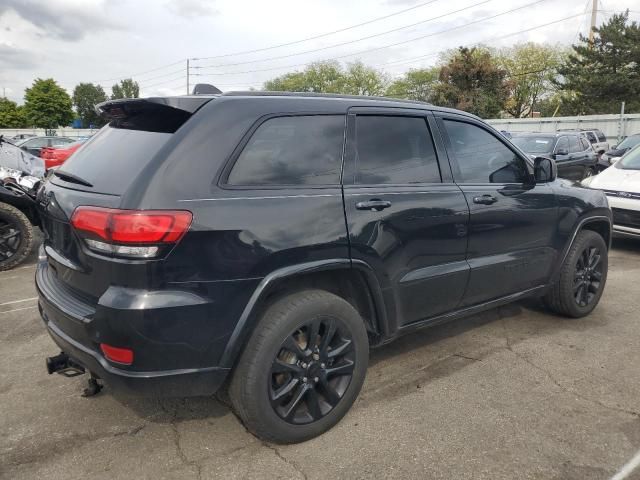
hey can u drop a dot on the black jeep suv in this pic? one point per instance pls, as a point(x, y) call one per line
point(265, 241)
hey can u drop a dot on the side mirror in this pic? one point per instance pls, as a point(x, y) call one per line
point(562, 151)
point(545, 170)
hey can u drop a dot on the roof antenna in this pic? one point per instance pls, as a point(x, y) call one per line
point(205, 89)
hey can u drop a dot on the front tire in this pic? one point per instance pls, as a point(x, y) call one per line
point(583, 276)
point(16, 236)
point(302, 369)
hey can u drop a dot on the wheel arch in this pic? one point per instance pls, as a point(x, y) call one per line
point(355, 282)
point(598, 223)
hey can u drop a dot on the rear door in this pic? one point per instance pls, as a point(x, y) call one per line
point(405, 216)
point(512, 220)
point(578, 159)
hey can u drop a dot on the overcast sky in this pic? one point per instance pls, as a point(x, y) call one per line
point(102, 41)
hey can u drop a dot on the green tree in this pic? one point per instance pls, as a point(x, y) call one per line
point(127, 88)
point(47, 105)
point(531, 71)
point(472, 80)
point(603, 74)
point(415, 85)
point(319, 77)
point(85, 98)
point(11, 115)
point(363, 80)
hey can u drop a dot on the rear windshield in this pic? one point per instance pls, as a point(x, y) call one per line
point(114, 157)
point(530, 144)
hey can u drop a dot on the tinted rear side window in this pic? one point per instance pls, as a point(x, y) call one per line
point(298, 150)
point(394, 150)
point(114, 157)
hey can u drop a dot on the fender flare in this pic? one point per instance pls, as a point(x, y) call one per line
point(242, 330)
point(579, 226)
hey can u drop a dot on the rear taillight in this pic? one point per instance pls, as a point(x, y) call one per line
point(130, 233)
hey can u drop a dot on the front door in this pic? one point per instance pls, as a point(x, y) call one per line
point(405, 216)
point(512, 221)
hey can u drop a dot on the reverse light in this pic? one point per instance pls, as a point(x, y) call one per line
point(120, 355)
point(130, 233)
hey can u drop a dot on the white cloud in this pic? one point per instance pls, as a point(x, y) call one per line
point(192, 8)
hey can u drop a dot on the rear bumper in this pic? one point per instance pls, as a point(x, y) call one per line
point(76, 336)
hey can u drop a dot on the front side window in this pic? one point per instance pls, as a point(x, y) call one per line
point(394, 150)
point(601, 137)
point(562, 147)
point(299, 150)
point(592, 138)
point(481, 157)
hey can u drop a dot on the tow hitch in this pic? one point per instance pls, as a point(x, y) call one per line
point(64, 365)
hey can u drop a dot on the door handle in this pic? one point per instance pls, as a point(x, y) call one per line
point(485, 199)
point(374, 204)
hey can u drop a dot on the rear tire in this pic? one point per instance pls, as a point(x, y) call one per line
point(16, 236)
point(583, 276)
point(302, 368)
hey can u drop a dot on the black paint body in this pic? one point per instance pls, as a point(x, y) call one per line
point(432, 255)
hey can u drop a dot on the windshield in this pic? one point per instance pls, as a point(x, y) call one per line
point(532, 144)
point(631, 161)
point(629, 142)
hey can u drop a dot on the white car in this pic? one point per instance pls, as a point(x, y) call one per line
point(621, 184)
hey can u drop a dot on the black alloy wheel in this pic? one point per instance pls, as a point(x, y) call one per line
point(311, 372)
point(302, 368)
point(10, 239)
point(582, 276)
point(16, 236)
point(588, 276)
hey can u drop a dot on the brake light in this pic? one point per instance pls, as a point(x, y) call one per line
point(117, 354)
point(132, 233)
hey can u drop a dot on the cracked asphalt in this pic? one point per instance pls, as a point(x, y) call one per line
point(512, 393)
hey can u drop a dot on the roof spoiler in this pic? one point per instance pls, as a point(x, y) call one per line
point(127, 107)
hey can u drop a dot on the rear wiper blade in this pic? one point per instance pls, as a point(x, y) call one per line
point(70, 177)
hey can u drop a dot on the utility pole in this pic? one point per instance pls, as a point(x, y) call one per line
point(621, 129)
point(187, 76)
point(594, 17)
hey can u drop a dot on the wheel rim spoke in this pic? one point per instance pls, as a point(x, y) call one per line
point(329, 393)
point(292, 406)
point(293, 346)
point(330, 331)
point(345, 368)
point(285, 389)
point(313, 404)
point(340, 350)
point(284, 367)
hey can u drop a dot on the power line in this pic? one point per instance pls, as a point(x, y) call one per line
point(404, 42)
point(501, 37)
point(140, 73)
point(347, 42)
point(433, 54)
point(322, 35)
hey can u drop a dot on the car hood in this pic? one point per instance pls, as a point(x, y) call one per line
point(617, 179)
point(616, 152)
point(17, 159)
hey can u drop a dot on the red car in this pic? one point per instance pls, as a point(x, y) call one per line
point(54, 157)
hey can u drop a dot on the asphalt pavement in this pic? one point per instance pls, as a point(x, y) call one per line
point(514, 393)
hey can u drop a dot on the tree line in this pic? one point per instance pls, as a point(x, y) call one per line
point(47, 105)
point(588, 78)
